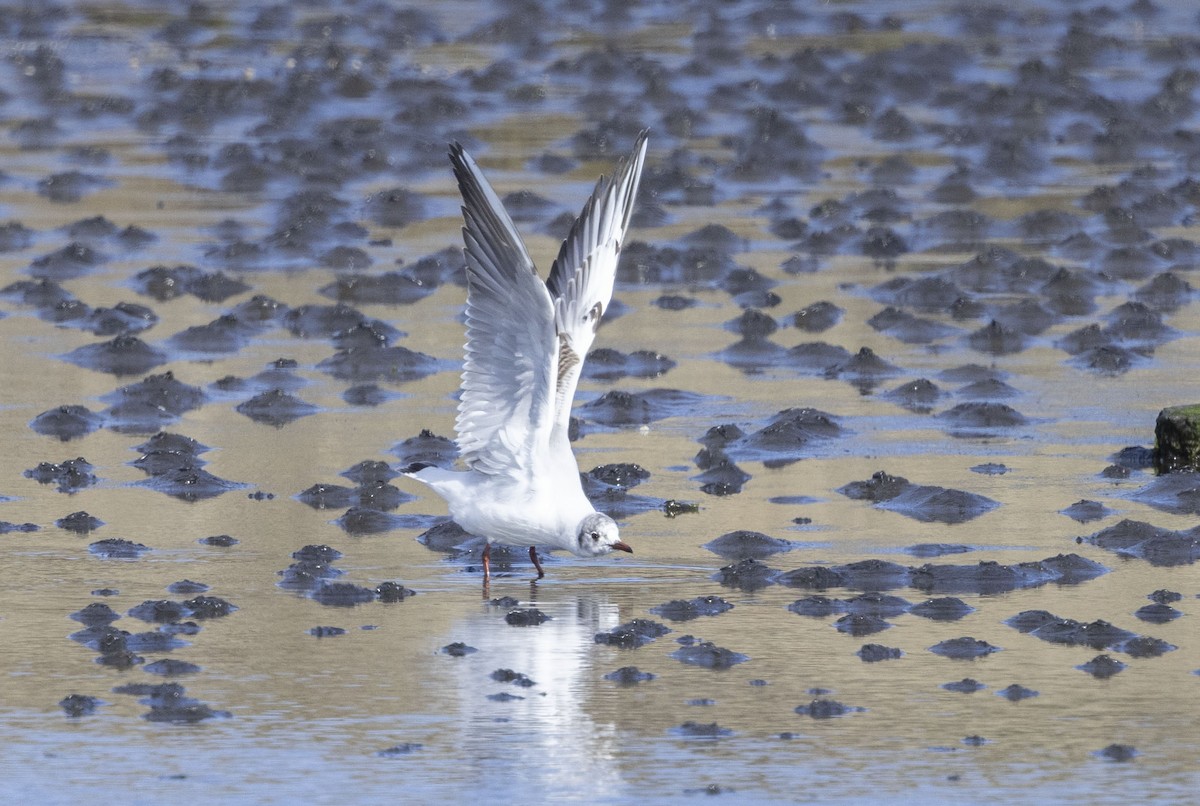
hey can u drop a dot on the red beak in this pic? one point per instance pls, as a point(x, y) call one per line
point(619, 546)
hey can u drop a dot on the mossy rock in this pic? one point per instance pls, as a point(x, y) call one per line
point(1177, 439)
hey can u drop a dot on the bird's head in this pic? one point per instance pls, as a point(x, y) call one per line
point(598, 534)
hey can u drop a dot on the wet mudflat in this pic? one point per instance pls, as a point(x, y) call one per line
point(903, 295)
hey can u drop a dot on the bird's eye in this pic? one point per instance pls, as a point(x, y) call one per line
point(595, 535)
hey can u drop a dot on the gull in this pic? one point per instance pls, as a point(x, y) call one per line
point(526, 342)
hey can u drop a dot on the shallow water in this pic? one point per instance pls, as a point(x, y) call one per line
point(211, 169)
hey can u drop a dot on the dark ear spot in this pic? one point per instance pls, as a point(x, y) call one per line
point(596, 312)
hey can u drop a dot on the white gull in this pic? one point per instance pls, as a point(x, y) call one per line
point(526, 342)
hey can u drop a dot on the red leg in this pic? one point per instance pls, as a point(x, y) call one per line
point(536, 564)
point(487, 561)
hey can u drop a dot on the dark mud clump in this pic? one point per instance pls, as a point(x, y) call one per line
point(166, 611)
point(632, 634)
point(509, 676)
point(989, 577)
point(444, 536)
point(117, 548)
point(917, 395)
point(96, 613)
point(400, 750)
point(686, 610)
point(816, 357)
point(170, 667)
point(965, 648)
point(744, 544)
point(160, 611)
point(367, 394)
point(708, 655)
point(721, 476)
point(458, 649)
point(79, 522)
point(921, 502)
point(328, 496)
point(428, 448)
point(1096, 635)
point(978, 418)
point(1118, 753)
point(786, 437)
point(871, 575)
point(629, 676)
point(608, 364)
point(698, 730)
point(388, 288)
point(747, 575)
point(395, 364)
point(789, 436)
point(124, 355)
point(321, 321)
point(1156, 545)
point(530, 617)
point(276, 407)
point(967, 685)
point(1146, 647)
point(67, 422)
point(1016, 693)
point(608, 486)
point(77, 705)
point(183, 478)
point(342, 594)
point(908, 328)
point(391, 592)
point(989, 389)
point(154, 402)
point(165, 283)
point(623, 474)
point(1177, 492)
point(860, 624)
point(370, 472)
point(874, 653)
point(818, 317)
point(68, 476)
point(868, 604)
point(826, 709)
point(1102, 667)
point(169, 703)
point(1085, 511)
point(947, 608)
point(207, 607)
point(618, 408)
point(1157, 613)
point(367, 520)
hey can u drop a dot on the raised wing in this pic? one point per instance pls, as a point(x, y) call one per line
point(507, 404)
point(581, 280)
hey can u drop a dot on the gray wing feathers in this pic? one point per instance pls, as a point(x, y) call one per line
point(605, 214)
point(525, 347)
point(506, 408)
point(581, 280)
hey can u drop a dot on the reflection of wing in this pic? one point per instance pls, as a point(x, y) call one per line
point(581, 280)
point(506, 409)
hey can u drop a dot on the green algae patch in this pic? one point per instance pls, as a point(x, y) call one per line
point(1177, 439)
